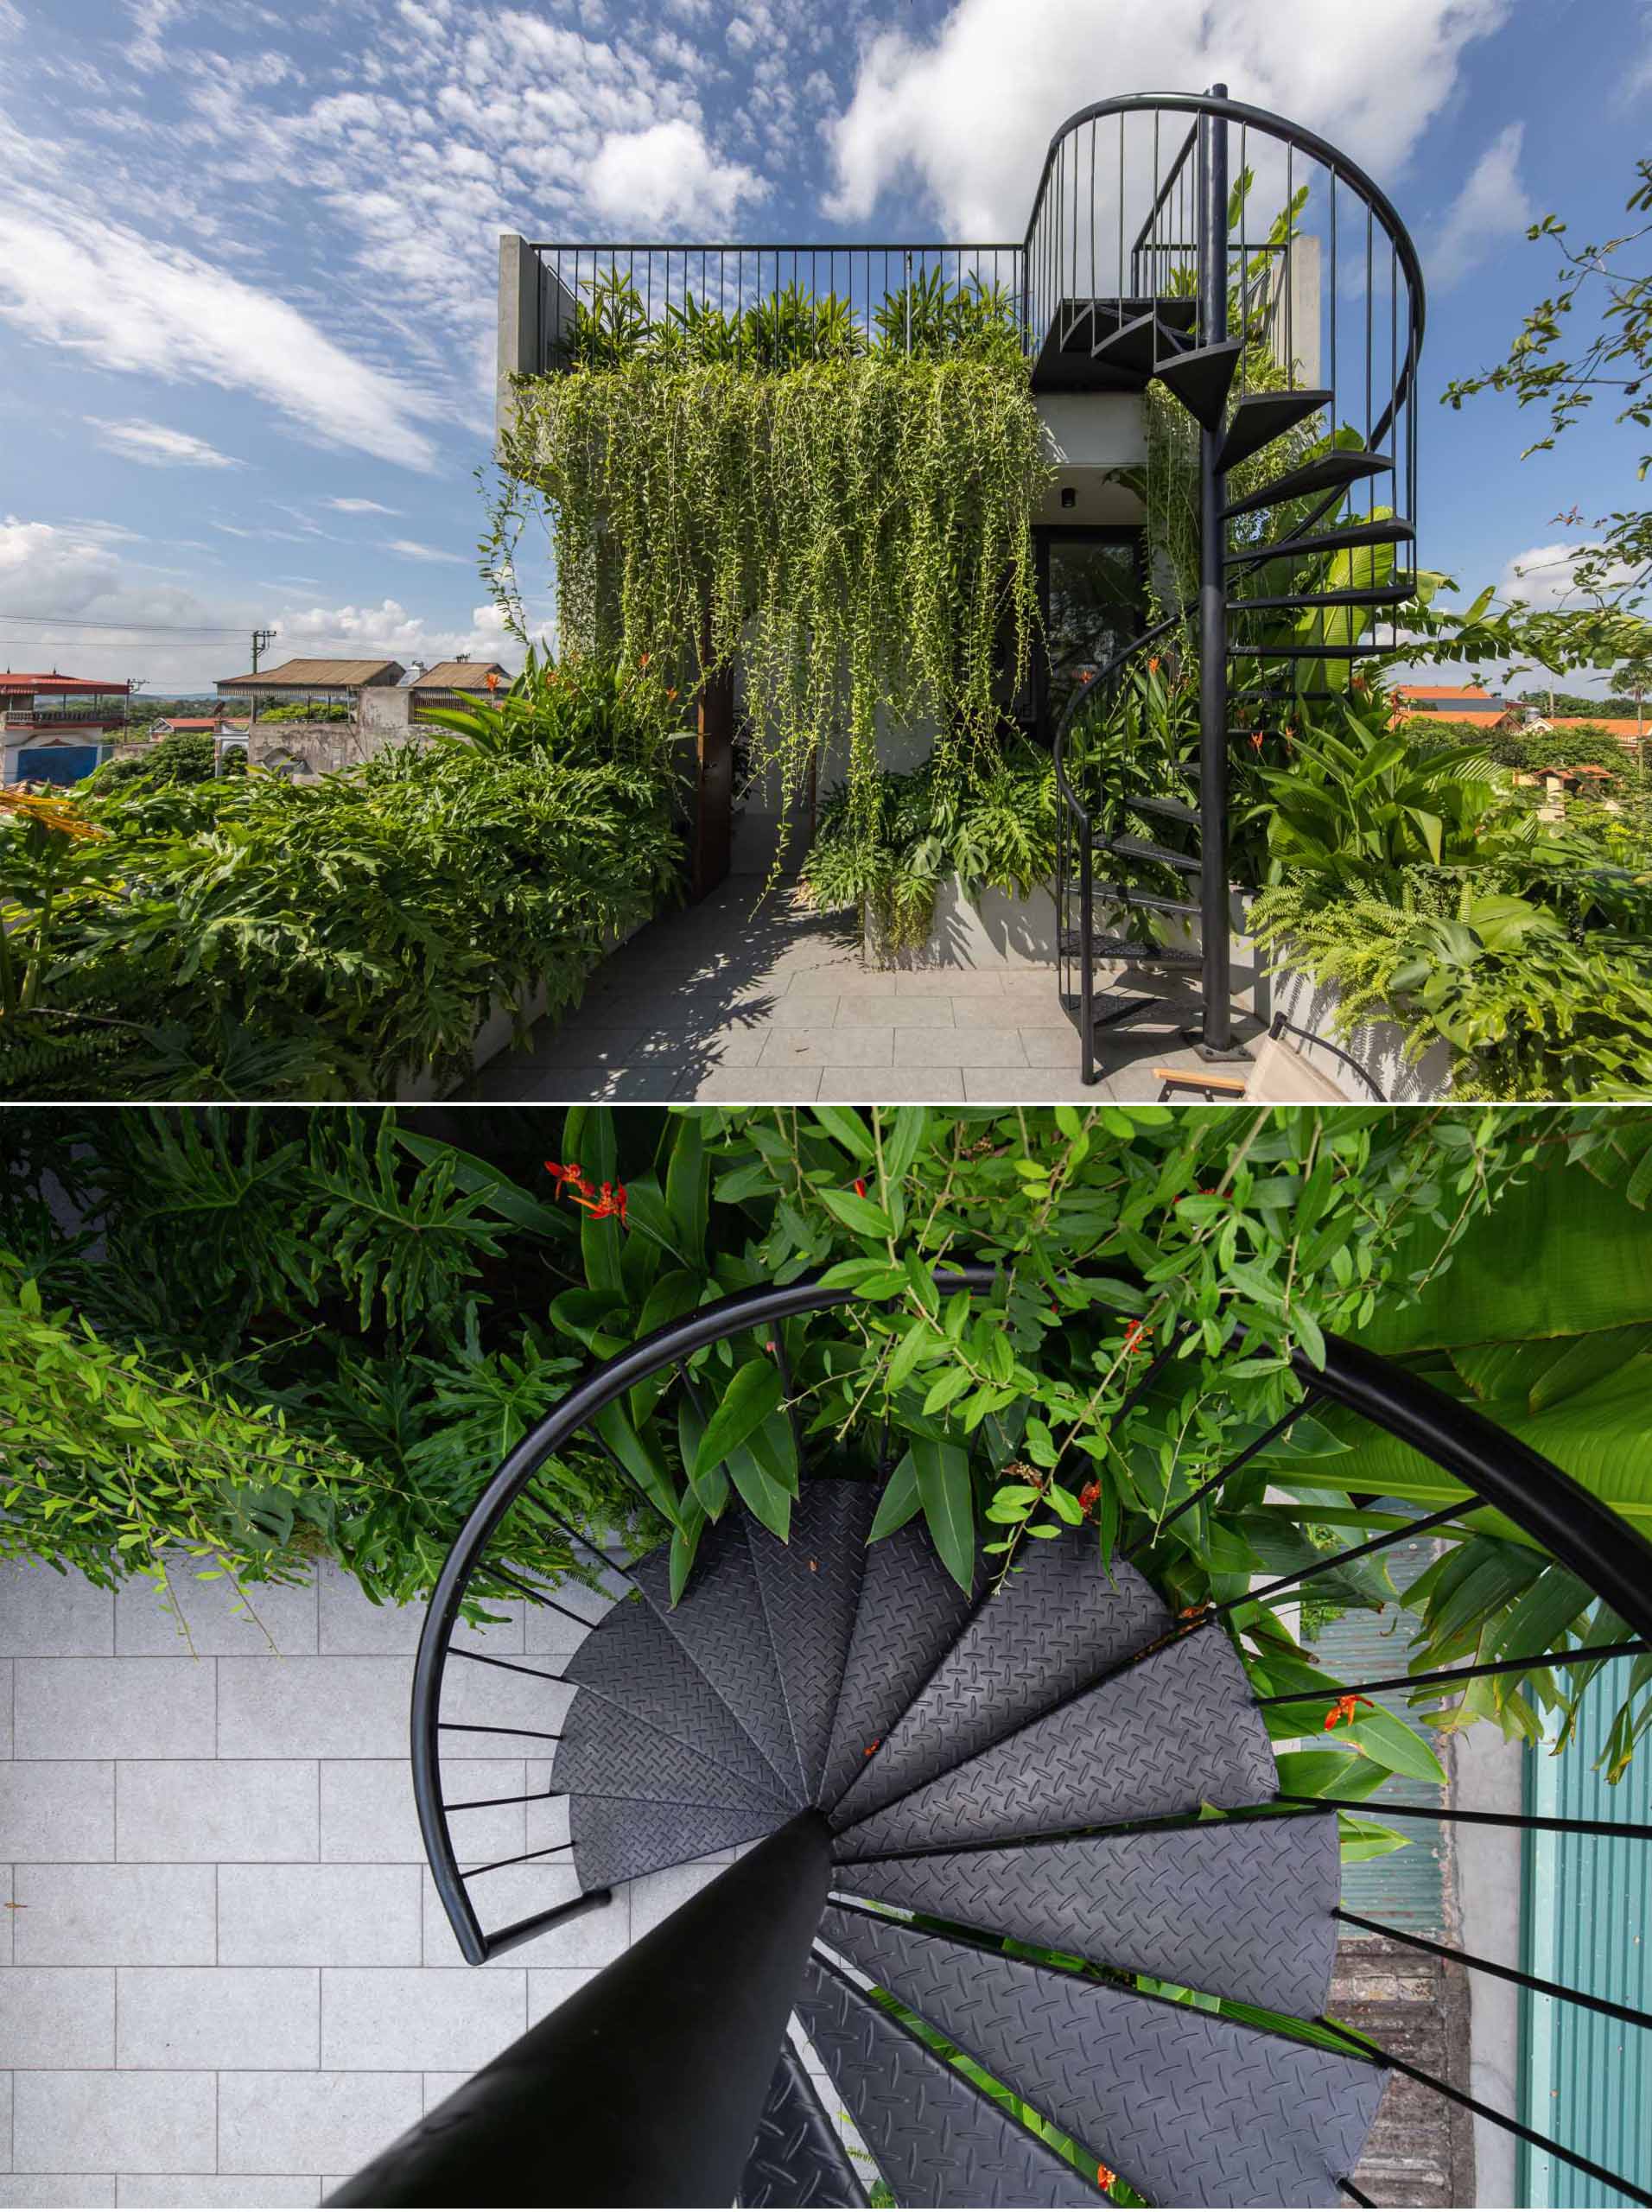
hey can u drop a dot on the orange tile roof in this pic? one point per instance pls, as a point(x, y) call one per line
point(1440, 691)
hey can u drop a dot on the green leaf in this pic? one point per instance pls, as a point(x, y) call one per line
point(947, 1498)
point(687, 1177)
point(588, 1136)
point(843, 1123)
point(685, 1542)
point(502, 1196)
point(899, 1501)
point(859, 1214)
point(946, 1388)
point(640, 1460)
point(710, 1489)
point(754, 1393)
point(1328, 1773)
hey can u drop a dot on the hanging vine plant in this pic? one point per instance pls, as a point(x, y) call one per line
point(857, 532)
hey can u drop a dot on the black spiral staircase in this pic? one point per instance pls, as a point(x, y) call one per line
point(978, 1820)
point(1299, 374)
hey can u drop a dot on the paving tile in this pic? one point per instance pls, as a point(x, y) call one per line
point(368, 1815)
point(960, 983)
point(111, 2123)
point(219, 1619)
point(549, 1632)
point(651, 1082)
point(57, 2016)
point(324, 2123)
point(319, 1915)
point(44, 1614)
point(773, 1086)
point(1054, 1044)
point(512, 1893)
point(5, 2117)
point(352, 1626)
point(197, 1810)
point(731, 1048)
point(926, 1086)
point(9, 1932)
point(179, 2016)
point(1025, 1086)
point(57, 2188)
point(183, 2190)
point(6, 1666)
point(967, 1042)
point(114, 1915)
point(312, 1708)
point(880, 1002)
point(114, 1708)
point(845, 1043)
point(423, 2017)
point(492, 1699)
point(57, 1810)
point(549, 1986)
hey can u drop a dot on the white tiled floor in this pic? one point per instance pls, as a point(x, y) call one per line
point(225, 1976)
point(746, 999)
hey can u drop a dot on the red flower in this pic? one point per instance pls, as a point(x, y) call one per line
point(573, 1175)
point(1089, 1497)
point(1255, 740)
point(610, 1202)
point(860, 1186)
point(1344, 1708)
point(1134, 1333)
point(1105, 2177)
point(492, 679)
point(872, 1746)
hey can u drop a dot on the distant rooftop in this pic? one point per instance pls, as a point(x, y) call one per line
point(460, 676)
point(317, 676)
point(21, 681)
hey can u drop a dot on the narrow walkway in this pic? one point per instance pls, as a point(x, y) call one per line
point(763, 1003)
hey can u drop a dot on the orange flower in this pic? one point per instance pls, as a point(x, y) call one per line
point(608, 1203)
point(872, 1746)
point(50, 811)
point(572, 1175)
point(1089, 1497)
point(860, 1186)
point(1152, 664)
point(1135, 1334)
point(1255, 740)
point(644, 659)
point(492, 679)
point(1105, 2177)
point(1345, 1709)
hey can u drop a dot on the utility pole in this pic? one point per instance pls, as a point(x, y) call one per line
point(260, 640)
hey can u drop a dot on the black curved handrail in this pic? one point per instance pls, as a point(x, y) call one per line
point(1291, 134)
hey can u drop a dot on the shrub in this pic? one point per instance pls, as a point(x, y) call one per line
point(186, 756)
point(261, 938)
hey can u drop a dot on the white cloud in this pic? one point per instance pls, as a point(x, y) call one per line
point(410, 549)
point(114, 617)
point(1544, 576)
point(967, 112)
point(1492, 205)
point(157, 445)
point(668, 178)
point(70, 278)
point(358, 507)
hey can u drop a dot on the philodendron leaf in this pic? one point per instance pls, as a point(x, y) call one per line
point(947, 1498)
point(754, 1391)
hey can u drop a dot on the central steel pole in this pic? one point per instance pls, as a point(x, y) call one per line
point(1215, 1038)
point(646, 2087)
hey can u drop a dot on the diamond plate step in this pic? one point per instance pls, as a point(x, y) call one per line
point(1237, 1908)
point(1167, 1735)
point(937, 2139)
point(616, 1839)
point(1055, 1625)
point(640, 1667)
point(1190, 2108)
point(796, 2157)
point(911, 1608)
point(721, 1624)
point(811, 1592)
point(605, 1753)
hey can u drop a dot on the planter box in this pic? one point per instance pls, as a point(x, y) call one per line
point(1379, 1047)
point(423, 1087)
point(999, 932)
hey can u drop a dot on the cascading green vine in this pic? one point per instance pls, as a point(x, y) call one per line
point(857, 531)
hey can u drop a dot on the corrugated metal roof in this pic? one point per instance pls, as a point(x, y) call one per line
point(1587, 2080)
point(15, 680)
point(316, 676)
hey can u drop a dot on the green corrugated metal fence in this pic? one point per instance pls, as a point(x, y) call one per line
point(1586, 2080)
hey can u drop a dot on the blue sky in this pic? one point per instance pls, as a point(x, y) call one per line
point(247, 255)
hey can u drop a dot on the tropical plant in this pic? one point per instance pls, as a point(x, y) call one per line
point(995, 830)
point(1358, 803)
point(185, 756)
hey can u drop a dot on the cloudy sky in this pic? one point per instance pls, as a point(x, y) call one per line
point(247, 254)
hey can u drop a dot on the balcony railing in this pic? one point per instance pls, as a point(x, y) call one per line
point(48, 718)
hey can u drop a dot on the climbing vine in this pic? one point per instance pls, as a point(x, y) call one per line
point(858, 531)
